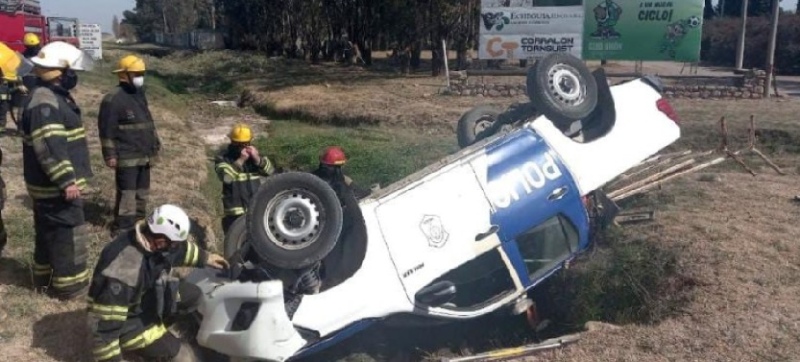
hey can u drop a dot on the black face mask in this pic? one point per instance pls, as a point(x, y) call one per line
point(69, 79)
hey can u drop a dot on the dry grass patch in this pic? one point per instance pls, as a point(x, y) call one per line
point(36, 328)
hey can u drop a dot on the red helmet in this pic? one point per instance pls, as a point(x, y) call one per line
point(333, 156)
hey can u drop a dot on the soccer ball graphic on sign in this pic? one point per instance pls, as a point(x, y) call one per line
point(694, 21)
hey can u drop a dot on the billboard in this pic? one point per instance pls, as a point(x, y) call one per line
point(90, 38)
point(516, 29)
point(643, 30)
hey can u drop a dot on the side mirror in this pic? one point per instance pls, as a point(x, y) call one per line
point(437, 294)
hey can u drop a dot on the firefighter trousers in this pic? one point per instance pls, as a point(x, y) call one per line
point(5, 107)
point(60, 253)
point(133, 191)
point(146, 336)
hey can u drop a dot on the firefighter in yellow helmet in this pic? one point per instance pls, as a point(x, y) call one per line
point(33, 45)
point(240, 167)
point(57, 168)
point(129, 140)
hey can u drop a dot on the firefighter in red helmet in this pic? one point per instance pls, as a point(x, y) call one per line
point(331, 161)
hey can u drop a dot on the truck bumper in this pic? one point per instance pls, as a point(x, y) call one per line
point(270, 337)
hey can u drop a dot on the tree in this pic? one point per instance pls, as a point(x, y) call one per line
point(709, 11)
point(733, 8)
point(115, 26)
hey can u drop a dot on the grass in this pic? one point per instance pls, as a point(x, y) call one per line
point(44, 329)
point(375, 155)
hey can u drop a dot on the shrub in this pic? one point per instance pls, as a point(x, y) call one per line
point(720, 38)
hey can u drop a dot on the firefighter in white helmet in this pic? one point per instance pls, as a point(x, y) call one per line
point(56, 169)
point(133, 298)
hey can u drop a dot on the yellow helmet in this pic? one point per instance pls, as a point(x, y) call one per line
point(30, 40)
point(241, 133)
point(130, 63)
point(9, 63)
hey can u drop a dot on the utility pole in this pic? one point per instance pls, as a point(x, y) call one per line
point(742, 33)
point(773, 35)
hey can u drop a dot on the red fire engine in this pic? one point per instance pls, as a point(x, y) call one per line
point(18, 17)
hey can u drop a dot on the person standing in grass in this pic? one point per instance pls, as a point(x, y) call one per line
point(241, 168)
point(130, 142)
point(56, 169)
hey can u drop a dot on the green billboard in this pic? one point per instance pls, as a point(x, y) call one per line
point(642, 30)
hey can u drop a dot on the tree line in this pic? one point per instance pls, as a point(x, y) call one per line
point(343, 29)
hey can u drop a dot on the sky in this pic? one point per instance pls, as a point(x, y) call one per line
point(102, 11)
point(89, 11)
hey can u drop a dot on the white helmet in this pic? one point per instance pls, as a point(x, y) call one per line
point(61, 55)
point(170, 221)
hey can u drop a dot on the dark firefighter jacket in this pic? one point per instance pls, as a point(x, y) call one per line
point(127, 130)
point(55, 153)
point(123, 281)
point(5, 90)
point(239, 184)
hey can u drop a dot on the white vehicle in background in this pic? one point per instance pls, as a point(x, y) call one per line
point(464, 237)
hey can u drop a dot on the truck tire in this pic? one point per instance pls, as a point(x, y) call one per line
point(562, 88)
point(294, 220)
point(476, 124)
point(234, 239)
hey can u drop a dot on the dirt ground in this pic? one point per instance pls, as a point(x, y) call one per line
point(735, 235)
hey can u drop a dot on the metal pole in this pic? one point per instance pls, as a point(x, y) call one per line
point(446, 67)
point(773, 35)
point(742, 32)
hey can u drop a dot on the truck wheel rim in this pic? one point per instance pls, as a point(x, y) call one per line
point(565, 85)
point(483, 124)
point(293, 220)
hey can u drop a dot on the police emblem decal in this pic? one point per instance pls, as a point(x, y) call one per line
point(434, 231)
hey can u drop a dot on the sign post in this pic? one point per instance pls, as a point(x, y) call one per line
point(90, 38)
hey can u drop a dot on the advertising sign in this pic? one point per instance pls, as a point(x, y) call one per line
point(643, 30)
point(515, 29)
point(90, 37)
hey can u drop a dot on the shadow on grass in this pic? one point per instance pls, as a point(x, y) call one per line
point(64, 336)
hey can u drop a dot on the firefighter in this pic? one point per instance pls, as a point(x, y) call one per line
point(133, 296)
point(331, 161)
point(56, 170)
point(240, 167)
point(11, 66)
point(130, 142)
point(32, 45)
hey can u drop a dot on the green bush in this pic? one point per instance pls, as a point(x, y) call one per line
point(720, 37)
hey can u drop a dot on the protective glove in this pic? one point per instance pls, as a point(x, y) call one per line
point(217, 261)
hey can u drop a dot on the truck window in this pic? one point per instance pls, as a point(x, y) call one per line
point(479, 282)
point(548, 244)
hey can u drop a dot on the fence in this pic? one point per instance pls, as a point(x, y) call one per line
point(198, 39)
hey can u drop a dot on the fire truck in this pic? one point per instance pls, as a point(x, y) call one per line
point(18, 17)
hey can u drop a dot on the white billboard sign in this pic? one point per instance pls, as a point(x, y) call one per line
point(523, 31)
point(90, 37)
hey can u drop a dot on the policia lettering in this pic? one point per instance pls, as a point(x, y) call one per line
point(56, 170)
point(130, 143)
point(240, 168)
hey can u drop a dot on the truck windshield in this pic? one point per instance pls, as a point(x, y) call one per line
point(548, 244)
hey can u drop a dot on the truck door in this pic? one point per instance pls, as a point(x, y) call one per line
point(528, 186)
point(432, 227)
